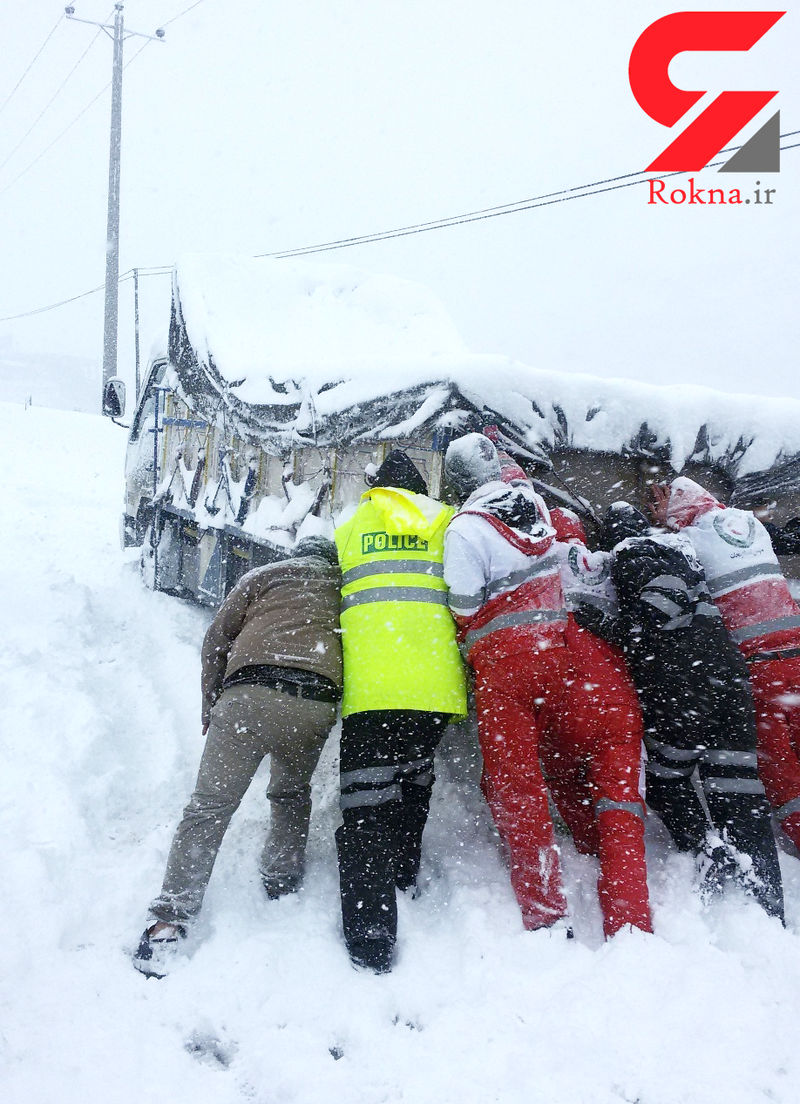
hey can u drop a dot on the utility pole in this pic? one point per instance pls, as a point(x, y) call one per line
point(118, 34)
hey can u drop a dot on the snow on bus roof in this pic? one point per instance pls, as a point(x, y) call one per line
point(289, 332)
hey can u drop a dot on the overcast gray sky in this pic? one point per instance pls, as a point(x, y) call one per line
point(259, 126)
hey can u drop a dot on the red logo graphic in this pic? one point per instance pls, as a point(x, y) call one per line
point(726, 115)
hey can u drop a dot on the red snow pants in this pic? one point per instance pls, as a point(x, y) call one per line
point(574, 708)
point(776, 693)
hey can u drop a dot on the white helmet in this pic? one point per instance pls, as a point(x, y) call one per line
point(471, 461)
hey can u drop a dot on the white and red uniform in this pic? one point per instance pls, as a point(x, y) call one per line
point(544, 685)
point(747, 584)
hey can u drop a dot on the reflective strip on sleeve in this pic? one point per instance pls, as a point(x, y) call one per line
point(661, 602)
point(392, 567)
point(734, 578)
point(577, 598)
point(790, 807)
point(706, 609)
point(605, 804)
point(394, 594)
point(681, 622)
point(371, 797)
point(516, 578)
point(776, 653)
point(668, 582)
point(733, 785)
point(514, 620)
point(764, 628)
point(465, 603)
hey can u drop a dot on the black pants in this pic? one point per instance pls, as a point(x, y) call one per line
point(386, 779)
point(701, 733)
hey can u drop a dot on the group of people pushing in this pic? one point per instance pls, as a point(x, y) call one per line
point(678, 631)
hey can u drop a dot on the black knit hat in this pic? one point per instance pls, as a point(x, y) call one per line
point(319, 547)
point(620, 522)
point(398, 471)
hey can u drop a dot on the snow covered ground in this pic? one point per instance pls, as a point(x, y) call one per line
point(99, 742)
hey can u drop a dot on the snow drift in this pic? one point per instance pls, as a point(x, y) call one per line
point(100, 740)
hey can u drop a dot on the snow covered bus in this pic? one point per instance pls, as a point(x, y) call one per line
point(282, 382)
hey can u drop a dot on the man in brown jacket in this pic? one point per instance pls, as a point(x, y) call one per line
point(271, 678)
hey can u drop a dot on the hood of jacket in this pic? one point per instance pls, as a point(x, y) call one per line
point(621, 521)
point(516, 505)
point(406, 512)
point(686, 502)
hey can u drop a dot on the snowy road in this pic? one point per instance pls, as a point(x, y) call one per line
point(99, 741)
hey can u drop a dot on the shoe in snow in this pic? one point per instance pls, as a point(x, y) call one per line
point(157, 949)
point(279, 885)
point(716, 867)
point(374, 952)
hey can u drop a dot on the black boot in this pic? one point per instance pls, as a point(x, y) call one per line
point(745, 822)
point(367, 885)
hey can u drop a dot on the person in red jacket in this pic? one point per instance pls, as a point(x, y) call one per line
point(747, 584)
point(533, 694)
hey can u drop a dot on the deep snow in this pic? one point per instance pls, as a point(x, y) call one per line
point(100, 739)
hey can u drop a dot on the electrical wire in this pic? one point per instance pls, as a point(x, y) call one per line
point(563, 196)
point(51, 101)
point(544, 200)
point(161, 270)
point(53, 306)
point(181, 14)
point(69, 126)
point(31, 64)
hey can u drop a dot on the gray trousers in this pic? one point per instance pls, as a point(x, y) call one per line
point(247, 723)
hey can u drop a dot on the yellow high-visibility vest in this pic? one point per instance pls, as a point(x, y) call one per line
point(398, 636)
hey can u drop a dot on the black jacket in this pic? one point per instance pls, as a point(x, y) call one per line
point(682, 660)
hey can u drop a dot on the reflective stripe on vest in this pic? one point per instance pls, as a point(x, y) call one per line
point(391, 567)
point(513, 621)
point(394, 594)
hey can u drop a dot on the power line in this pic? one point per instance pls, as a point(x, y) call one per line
point(545, 200)
point(31, 64)
point(163, 270)
point(69, 126)
point(181, 14)
point(53, 306)
point(50, 101)
point(578, 192)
